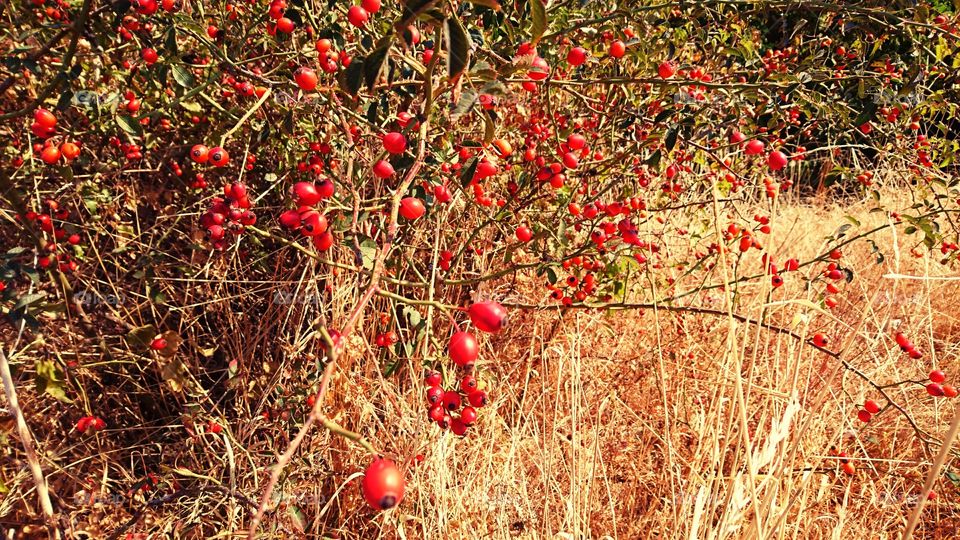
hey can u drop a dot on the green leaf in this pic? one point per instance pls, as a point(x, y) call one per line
point(458, 46)
point(49, 380)
point(467, 175)
point(373, 64)
point(182, 76)
point(489, 127)
point(654, 160)
point(414, 8)
point(298, 517)
point(28, 300)
point(170, 41)
point(353, 76)
point(671, 139)
point(130, 125)
point(140, 338)
point(368, 253)
point(538, 25)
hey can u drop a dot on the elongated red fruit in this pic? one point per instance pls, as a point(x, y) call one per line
point(463, 348)
point(488, 316)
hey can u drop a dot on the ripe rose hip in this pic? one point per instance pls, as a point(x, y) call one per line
point(864, 416)
point(433, 378)
point(306, 79)
point(394, 142)
point(468, 415)
point(383, 169)
point(488, 316)
point(50, 155)
point(666, 70)
point(577, 56)
point(820, 340)
point(200, 153)
point(451, 400)
point(754, 147)
point(477, 398)
point(411, 208)
point(45, 118)
point(776, 160)
point(382, 484)
point(219, 157)
point(158, 344)
point(524, 234)
point(937, 376)
point(934, 389)
point(618, 49)
point(434, 395)
point(357, 16)
point(463, 348)
point(871, 406)
point(305, 194)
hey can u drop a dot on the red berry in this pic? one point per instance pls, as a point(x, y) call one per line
point(383, 169)
point(436, 413)
point(935, 389)
point(468, 415)
point(372, 6)
point(394, 142)
point(754, 147)
point(666, 70)
point(50, 155)
point(45, 118)
point(468, 384)
point(477, 398)
point(411, 208)
point(524, 234)
point(306, 79)
point(305, 194)
point(158, 344)
point(488, 316)
point(434, 395)
point(577, 56)
point(618, 49)
point(200, 153)
point(382, 484)
point(219, 157)
point(864, 416)
point(458, 427)
point(357, 16)
point(871, 406)
point(433, 378)
point(451, 400)
point(937, 376)
point(463, 348)
point(776, 160)
point(820, 340)
point(949, 390)
point(149, 56)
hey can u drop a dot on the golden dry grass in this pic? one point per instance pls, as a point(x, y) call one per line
point(626, 424)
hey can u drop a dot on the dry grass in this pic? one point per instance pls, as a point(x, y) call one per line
point(630, 424)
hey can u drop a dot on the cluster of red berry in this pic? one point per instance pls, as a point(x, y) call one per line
point(228, 214)
point(464, 350)
point(216, 156)
point(44, 127)
point(444, 403)
point(306, 219)
point(59, 251)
